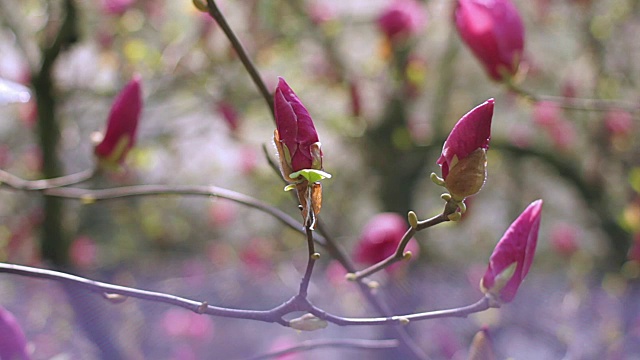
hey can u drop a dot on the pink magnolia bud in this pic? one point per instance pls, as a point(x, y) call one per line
point(513, 255)
point(494, 32)
point(296, 135)
point(380, 238)
point(464, 158)
point(401, 19)
point(122, 124)
point(13, 343)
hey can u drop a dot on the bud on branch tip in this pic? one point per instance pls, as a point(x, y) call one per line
point(494, 32)
point(122, 125)
point(513, 255)
point(464, 159)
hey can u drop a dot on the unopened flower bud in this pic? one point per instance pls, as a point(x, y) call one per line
point(512, 258)
point(122, 125)
point(494, 32)
point(464, 156)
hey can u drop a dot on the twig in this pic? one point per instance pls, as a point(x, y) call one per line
point(399, 254)
point(90, 196)
point(216, 14)
point(313, 256)
point(295, 304)
point(572, 103)
point(17, 183)
point(481, 305)
point(333, 343)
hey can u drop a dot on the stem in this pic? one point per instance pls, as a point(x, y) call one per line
point(14, 182)
point(313, 256)
point(53, 243)
point(216, 14)
point(480, 305)
point(399, 253)
point(296, 303)
point(90, 196)
point(575, 103)
point(107, 289)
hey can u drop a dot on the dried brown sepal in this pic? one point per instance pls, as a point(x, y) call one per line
point(316, 197)
point(467, 176)
point(304, 197)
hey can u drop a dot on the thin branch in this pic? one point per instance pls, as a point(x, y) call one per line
point(332, 343)
point(481, 305)
point(17, 183)
point(275, 315)
point(200, 307)
point(90, 196)
point(575, 103)
point(217, 15)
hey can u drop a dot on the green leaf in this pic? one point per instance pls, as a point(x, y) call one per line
point(311, 175)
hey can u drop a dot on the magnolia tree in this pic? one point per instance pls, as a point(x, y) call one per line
point(266, 274)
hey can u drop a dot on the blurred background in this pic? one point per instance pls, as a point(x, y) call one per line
point(383, 107)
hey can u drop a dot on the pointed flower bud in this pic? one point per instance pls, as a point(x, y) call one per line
point(13, 343)
point(122, 124)
point(296, 135)
point(494, 32)
point(513, 255)
point(464, 158)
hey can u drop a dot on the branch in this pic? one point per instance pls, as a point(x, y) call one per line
point(200, 307)
point(295, 304)
point(90, 196)
point(216, 14)
point(575, 103)
point(17, 183)
point(399, 254)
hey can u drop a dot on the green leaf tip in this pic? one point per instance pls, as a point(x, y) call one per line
point(311, 175)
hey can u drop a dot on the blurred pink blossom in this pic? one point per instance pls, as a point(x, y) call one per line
point(229, 115)
point(83, 252)
point(283, 343)
point(402, 19)
point(618, 122)
point(380, 238)
point(564, 238)
point(546, 113)
point(494, 32)
point(222, 213)
point(13, 343)
point(116, 7)
point(320, 12)
point(517, 247)
point(177, 322)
